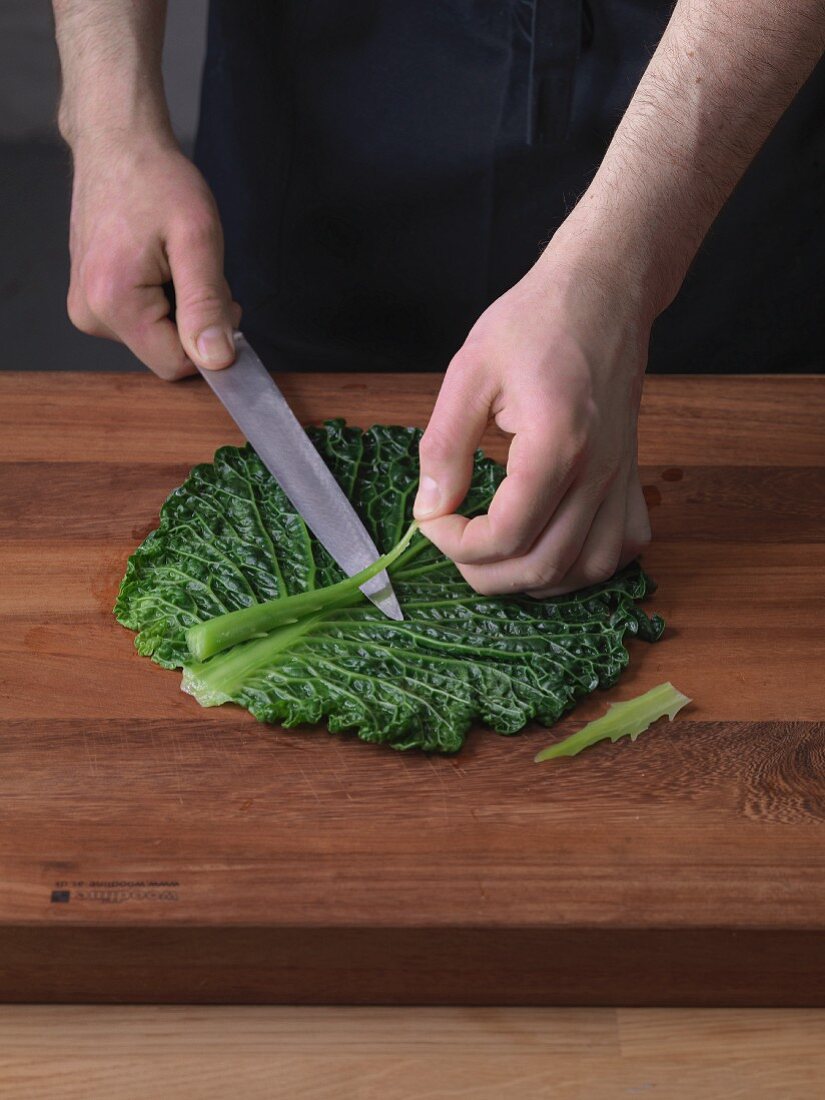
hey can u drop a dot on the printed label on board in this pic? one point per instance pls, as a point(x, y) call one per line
point(114, 891)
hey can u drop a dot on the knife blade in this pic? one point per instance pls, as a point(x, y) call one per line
point(253, 400)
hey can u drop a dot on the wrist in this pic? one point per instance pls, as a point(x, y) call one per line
point(590, 314)
point(617, 243)
point(98, 140)
point(112, 108)
point(91, 132)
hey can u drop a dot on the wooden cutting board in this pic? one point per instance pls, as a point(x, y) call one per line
point(154, 851)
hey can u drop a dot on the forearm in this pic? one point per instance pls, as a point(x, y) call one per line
point(722, 75)
point(110, 57)
point(558, 359)
point(142, 215)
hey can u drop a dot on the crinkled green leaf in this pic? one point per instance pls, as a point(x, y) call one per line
point(229, 537)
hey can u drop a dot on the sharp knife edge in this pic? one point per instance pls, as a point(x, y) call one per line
point(253, 400)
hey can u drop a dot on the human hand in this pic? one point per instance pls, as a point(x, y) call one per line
point(142, 216)
point(558, 362)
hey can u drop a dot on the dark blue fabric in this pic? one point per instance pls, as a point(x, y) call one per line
point(385, 168)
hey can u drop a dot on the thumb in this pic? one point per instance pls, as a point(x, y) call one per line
point(448, 445)
point(205, 311)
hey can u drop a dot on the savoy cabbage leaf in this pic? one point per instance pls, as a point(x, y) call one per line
point(228, 538)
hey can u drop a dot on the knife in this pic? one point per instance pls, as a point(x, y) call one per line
point(253, 400)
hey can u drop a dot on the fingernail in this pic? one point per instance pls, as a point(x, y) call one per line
point(214, 346)
point(427, 500)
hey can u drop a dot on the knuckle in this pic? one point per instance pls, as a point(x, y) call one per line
point(104, 290)
point(463, 380)
point(79, 314)
point(579, 428)
point(572, 451)
point(200, 227)
point(599, 567)
point(536, 577)
point(175, 372)
point(205, 297)
point(168, 363)
point(513, 542)
point(635, 544)
point(435, 446)
point(463, 360)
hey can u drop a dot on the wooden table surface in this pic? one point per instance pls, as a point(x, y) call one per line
point(210, 858)
point(81, 1052)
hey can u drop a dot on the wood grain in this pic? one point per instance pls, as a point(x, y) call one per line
point(222, 860)
point(81, 1053)
point(66, 417)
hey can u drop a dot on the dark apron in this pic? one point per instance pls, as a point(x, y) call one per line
point(386, 168)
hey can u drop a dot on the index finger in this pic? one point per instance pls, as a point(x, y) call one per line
point(138, 315)
point(539, 473)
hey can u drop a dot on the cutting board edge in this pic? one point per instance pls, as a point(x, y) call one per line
point(445, 967)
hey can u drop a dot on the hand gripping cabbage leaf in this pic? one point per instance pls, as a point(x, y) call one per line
point(229, 539)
